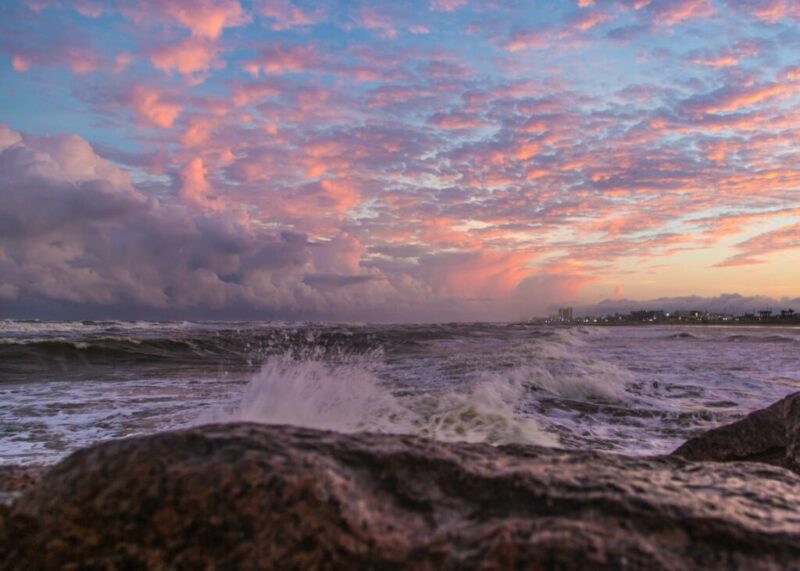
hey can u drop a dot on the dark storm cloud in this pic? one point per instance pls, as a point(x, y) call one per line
point(73, 228)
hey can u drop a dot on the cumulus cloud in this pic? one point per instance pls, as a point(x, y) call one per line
point(76, 233)
point(74, 229)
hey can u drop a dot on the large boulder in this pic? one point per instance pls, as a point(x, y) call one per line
point(274, 497)
point(770, 435)
point(14, 480)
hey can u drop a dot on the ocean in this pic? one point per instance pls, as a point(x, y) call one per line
point(629, 389)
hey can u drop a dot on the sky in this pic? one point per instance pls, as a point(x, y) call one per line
point(393, 161)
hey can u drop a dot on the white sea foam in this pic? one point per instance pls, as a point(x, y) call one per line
point(311, 391)
point(40, 422)
point(489, 412)
point(567, 373)
point(345, 394)
point(593, 382)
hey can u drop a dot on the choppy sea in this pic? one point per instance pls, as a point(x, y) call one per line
point(635, 390)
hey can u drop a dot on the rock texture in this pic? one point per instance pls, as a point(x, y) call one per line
point(770, 435)
point(273, 497)
point(14, 480)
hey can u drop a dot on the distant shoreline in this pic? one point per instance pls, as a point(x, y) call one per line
point(787, 323)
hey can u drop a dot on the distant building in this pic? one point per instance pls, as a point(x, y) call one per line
point(765, 314)
point(565, 314)
point(787, 313)
point(690, 315)
point(648, 315)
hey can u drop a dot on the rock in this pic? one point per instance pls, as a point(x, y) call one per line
point(274, 497)
point(14, 480)
point(770, 435)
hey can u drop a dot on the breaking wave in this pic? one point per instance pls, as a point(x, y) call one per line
point(346, 394)
point(682, 335)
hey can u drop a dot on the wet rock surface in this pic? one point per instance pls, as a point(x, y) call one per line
point(14, 480)
point(274, 497)
point(770, 435)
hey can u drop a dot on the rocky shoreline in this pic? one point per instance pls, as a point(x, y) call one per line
point(267, 497)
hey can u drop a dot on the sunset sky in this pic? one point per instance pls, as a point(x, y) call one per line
point(394, 160)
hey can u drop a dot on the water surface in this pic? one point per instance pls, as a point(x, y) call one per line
point(637, 390)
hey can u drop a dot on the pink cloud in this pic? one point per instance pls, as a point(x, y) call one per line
point(585, 21)
point(734, 99)
point(256, 91)
point(286, 15)
point(8, 138)
point(739, 223)
point(281, 58)
point(728, 57)
point(86, 8)
point(753, 249)
point(122, 61)
point(197, 131)
point(792, 73)
point(768, 11)
point(553, 283)
point(674, 12)
point(552, 37)
point(152, 106)
point(446, 5)
point(204, 18)
point(78, 59)
point(189, 57)
point(372, 18)
point(717, 61)
point(20, 63)
point(90, 8)
point(538, 39)
point(195, 189)
point(478, 274)
point(457, 120)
